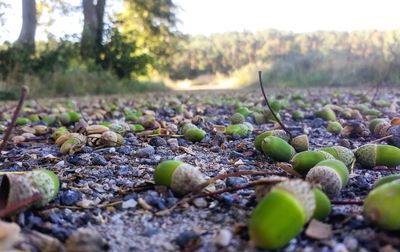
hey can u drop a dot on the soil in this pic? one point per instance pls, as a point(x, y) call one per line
point(111, 190)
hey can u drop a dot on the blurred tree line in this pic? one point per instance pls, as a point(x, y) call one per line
point(115, 49)
point(132, 43)
point(290, 59)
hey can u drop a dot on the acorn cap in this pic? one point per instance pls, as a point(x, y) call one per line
point(64, 118)
point(164, 170)
point(381, 129)
point(366, 155)
point(277, 149)
point(386, 179)
point(302, 162)
point(281, 214)
point(15, 188)
point(194, 134)
point(372, 124)
point(341, 153)
point(46, 182)
point(300, 143)
point(381, 206)
point(323, 205)
point(186, 178)
point(278, 133)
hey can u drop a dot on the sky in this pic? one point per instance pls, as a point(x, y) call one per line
point(213, 16)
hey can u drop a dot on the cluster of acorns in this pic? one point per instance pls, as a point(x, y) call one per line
point(93, 135)
point(16, 188)
point(286, 207)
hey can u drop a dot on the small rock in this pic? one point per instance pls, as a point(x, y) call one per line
point(70, 197)
point(131, 203)
point(235, 181)
point(158, 141)
point(145, 152)
point(99, 160)
point(223, 238)
point(123, 170)
point(350, 243)
point(60, 164)
point(340, 247)
point(126, 150)
point(86, 240)
point(186, 238)
point(173, 143)
point(200, 202)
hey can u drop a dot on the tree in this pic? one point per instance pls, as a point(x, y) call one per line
point(93, 28)
point(28, 30)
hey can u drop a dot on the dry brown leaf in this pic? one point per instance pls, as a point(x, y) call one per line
point(9, 235)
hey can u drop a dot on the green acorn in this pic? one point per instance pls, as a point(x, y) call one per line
point(331, 175)
point(240, 129)
point(244, 111)
point(371, 155)
point(194, 134)
point(386, 179)
point(277, 149)
point(59, 132)
point(302, 162)
point(46, 182)
point(188, 126)
point(182, 178)
point(22, 121)
point(278, 133)
point(323, 205)
point(259, 118)
point(64, 118)
point(297, 115)
point(326, 113)
point(381, 207)
point(341, 153)
point(34, 118)
point(74, 116)
point(281, 214)
point(50, 120)
point(300, 143)
point(237, 118)
point(373, 123)
point(334, 128)
point(137, 127)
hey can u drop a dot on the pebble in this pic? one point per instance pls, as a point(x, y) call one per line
point(131, 203)
point(158, 141)
point(75, 160)
point(123, 170)
point(350, 243)
point(200, 202)
point(70, 197)
point(223, 238)
point(185, 238)
point(340, 247)
point(235, 181)
point(173, 143)
point(126, 150)
point(99, 160)
point(60, 164)
point(145, 152)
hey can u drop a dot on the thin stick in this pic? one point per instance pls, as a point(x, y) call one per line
point(12, 172)
point(24, 92)
point(381, 139)
point(240, 187)
point(272, 111)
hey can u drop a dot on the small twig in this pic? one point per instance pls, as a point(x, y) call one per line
point(19, 204)
point(272, 111)
point(241, 187)
point(381, 139)
point(347, 202)
point(12, 172)
point(289, 169)
point(7, 134)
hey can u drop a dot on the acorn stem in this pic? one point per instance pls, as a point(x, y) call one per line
point(272, 111)
point(380, 139)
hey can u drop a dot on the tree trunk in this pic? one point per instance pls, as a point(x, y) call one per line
point(92, 34)
point(28, 30)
